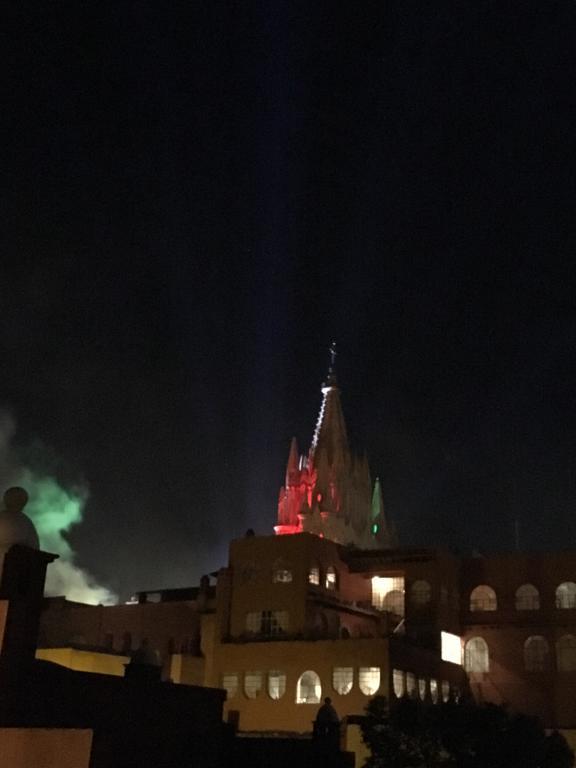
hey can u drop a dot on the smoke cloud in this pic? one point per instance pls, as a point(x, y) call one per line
point(54, 510)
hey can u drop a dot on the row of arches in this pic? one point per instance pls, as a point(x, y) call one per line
point(407, 684)
point(537, 654)
point(526, 598)
point(308, 685)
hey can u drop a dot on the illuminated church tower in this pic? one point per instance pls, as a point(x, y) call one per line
point(329, 492)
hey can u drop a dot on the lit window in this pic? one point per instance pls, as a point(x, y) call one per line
point(330, 582)
point(398, 683)
point(483, 598)
point(308, 689)
point(267, 623)
point(388, 594)
point(422, 688)
point(230, 685)
point(252, 684)
point(369, 680)
point(434, 691)
point(566, 652)
point(476, 656)
point(411, 684)
point(527, 598)
point(566, 595)
point(421, 593)
point(282, 576)
point(445, 691)
point(314, 575)
point(451, 647)
point(276, 684)
point(536, 654)
point(342, 679)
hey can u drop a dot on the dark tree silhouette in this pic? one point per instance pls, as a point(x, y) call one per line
point(411, 734)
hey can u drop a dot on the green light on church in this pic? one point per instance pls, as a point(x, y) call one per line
point(375, 528)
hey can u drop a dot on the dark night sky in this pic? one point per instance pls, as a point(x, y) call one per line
point(198, 197)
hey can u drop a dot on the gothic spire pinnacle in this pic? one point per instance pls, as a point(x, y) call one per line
point(331, 378)
point(293, 461)
point(330, 429)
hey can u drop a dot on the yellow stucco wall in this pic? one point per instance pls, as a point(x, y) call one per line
point(352, 742)
point(85, 661)
point(187, 669)
point(45, 748)
point(570, 736)
point(293, 658)
point(252, 562)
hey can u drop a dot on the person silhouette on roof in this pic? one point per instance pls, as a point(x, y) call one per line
point(327, 723)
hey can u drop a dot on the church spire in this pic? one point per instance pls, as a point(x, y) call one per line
point(382, 529)
point(329, 493)
point(330, 432)
point(292, 466)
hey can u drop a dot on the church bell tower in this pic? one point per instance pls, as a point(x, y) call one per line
point(329, 491)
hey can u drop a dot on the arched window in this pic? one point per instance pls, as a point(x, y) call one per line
point(276, 684)
point(476, 656)
point(566, 653)
point(445, 691)
point(252, 684)
point(342, 679)
point(434, 690)
point(230, 684)
point(331, 578)
point(308, 688)
point(483, 598)
point(422, 688)
point(369, 680)
point(411, 684)
point(421, 593)
point(527, 598)
point(282, 576)
point(536, 654)
point(566, 595)
point(314, 575)
point(398, 683)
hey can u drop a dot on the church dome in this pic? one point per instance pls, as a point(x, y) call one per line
point(15, 526)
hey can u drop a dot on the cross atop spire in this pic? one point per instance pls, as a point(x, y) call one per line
point(333, 354)
point(331, 378)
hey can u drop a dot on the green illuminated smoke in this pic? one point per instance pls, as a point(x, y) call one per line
point(54, 511)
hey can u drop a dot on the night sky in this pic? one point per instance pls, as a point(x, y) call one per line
point(198, 197)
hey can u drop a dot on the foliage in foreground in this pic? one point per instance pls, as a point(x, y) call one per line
point(411, 734)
